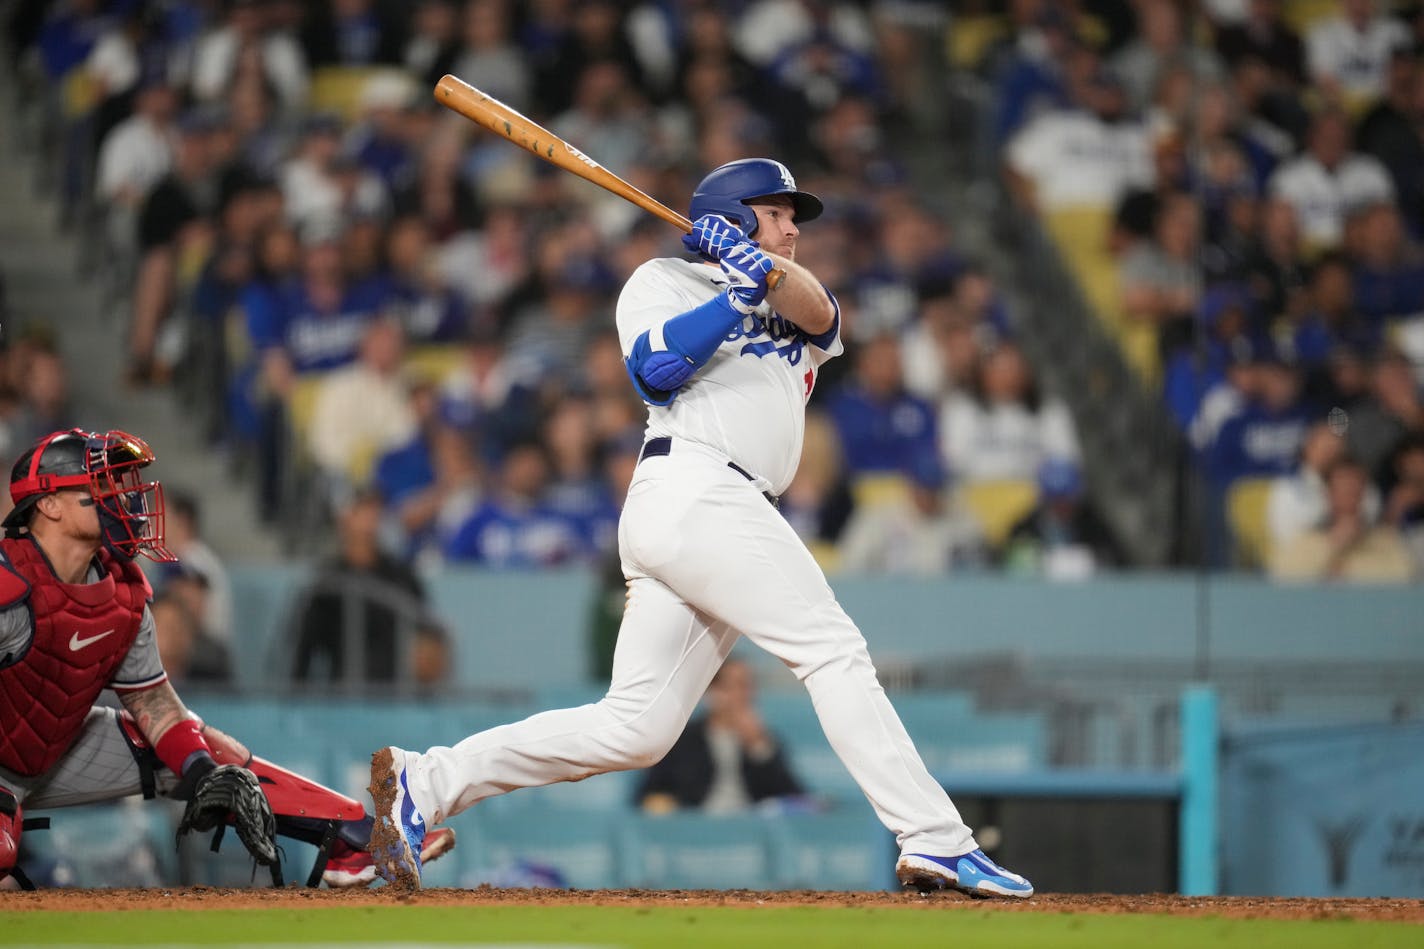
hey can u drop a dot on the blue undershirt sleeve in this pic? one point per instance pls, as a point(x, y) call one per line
point(665, 357)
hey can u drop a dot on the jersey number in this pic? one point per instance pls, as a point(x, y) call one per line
point(810, 379)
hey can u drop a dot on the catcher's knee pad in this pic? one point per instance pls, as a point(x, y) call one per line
point(9, 831)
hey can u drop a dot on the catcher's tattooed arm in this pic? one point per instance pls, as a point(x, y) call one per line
point(156, 710)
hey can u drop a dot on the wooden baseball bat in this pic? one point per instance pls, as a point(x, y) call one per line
point(459, 96)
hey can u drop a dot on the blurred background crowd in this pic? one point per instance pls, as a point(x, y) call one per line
point(398, 329)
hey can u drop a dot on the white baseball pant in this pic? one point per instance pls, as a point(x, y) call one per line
point(708, 560)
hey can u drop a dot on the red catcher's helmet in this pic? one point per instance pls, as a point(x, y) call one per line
point(107, 464)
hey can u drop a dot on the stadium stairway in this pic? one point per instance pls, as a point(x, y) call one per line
point(47, 288)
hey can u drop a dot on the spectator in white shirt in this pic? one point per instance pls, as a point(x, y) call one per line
point(1348, 55)
point(1003, 429)
point(245, 40)
point(1088, 155)
point(363, 409)
point(1297, 502)
point(139, 150)
point(1329, 180)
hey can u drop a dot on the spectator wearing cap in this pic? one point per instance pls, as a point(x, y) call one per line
point(1349, 546)
point(1264, 438)
point(1348, 54)
point(175, 218)
point(381, 141)
point(247, 28)
point(1064, 537)
point(1002, 428)
point(914, 249)
point(1329, 180)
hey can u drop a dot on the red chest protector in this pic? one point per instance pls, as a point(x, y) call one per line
point(82, 631)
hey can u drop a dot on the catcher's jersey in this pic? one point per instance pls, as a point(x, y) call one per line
point(749, 401)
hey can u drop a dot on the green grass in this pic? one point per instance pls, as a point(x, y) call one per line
point(665, 927)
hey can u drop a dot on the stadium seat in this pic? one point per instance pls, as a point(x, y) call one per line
point(584, 848)
point(845, 849)
point(880, 489)
point(433, 363)
point(1246, 513)
point(969, 37)
point(1301, 15)
point(695, 851)
point(998, 505)
point(338, 89)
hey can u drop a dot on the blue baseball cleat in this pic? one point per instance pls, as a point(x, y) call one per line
point(971, 873)
point(399, 829)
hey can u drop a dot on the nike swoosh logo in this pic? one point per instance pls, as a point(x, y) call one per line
point(76, 644)
point(416, 820)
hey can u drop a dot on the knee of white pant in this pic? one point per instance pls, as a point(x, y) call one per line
point(642, 737)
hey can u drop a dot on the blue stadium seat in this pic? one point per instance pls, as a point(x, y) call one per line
point(584, 848)
point(846, 849)
point(688, 851)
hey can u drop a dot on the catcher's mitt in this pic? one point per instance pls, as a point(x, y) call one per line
point(229, 791)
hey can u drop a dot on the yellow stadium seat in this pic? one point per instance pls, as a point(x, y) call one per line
point(1301, 15)
point(970, 37)
point(301, 404)
point(880, 490)
point(338, 89)
point(998, 505)
point(433, 363)
point(79, 92)
point(1246, 502)
point(828, 557)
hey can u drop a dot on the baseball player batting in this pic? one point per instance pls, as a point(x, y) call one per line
point(74, 620)
point(725, 366)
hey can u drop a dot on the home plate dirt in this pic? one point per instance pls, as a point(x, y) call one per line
point(199, 898)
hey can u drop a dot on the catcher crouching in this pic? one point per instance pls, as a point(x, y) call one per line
point(74, 620)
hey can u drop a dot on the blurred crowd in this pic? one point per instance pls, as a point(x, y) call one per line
point(1263, 165)
point(364, 296)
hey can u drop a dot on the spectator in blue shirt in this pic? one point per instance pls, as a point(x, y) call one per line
point(1389, 271)
point(883, 429)
point(513, 528)
point(1264, 439)
point(429, 311)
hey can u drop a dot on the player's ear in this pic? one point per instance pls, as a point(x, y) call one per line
point(49, 507)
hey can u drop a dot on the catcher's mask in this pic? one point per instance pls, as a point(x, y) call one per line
point(107, 464)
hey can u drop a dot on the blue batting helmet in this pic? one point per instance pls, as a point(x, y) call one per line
point(727, 189)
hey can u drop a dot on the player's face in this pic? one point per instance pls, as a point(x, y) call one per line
point(776, 224)
point(78, 517)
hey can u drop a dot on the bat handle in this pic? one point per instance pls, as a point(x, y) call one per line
point(773, 279)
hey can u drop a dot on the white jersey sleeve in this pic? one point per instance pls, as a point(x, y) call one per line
point(749, 401)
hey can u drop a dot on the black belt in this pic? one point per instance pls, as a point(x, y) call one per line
point(662, 445)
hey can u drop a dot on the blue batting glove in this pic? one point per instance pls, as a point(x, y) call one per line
point(712, 236)
point(746, 268)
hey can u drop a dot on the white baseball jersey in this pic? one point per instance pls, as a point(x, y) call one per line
point(708, 562)
point(749, 401)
